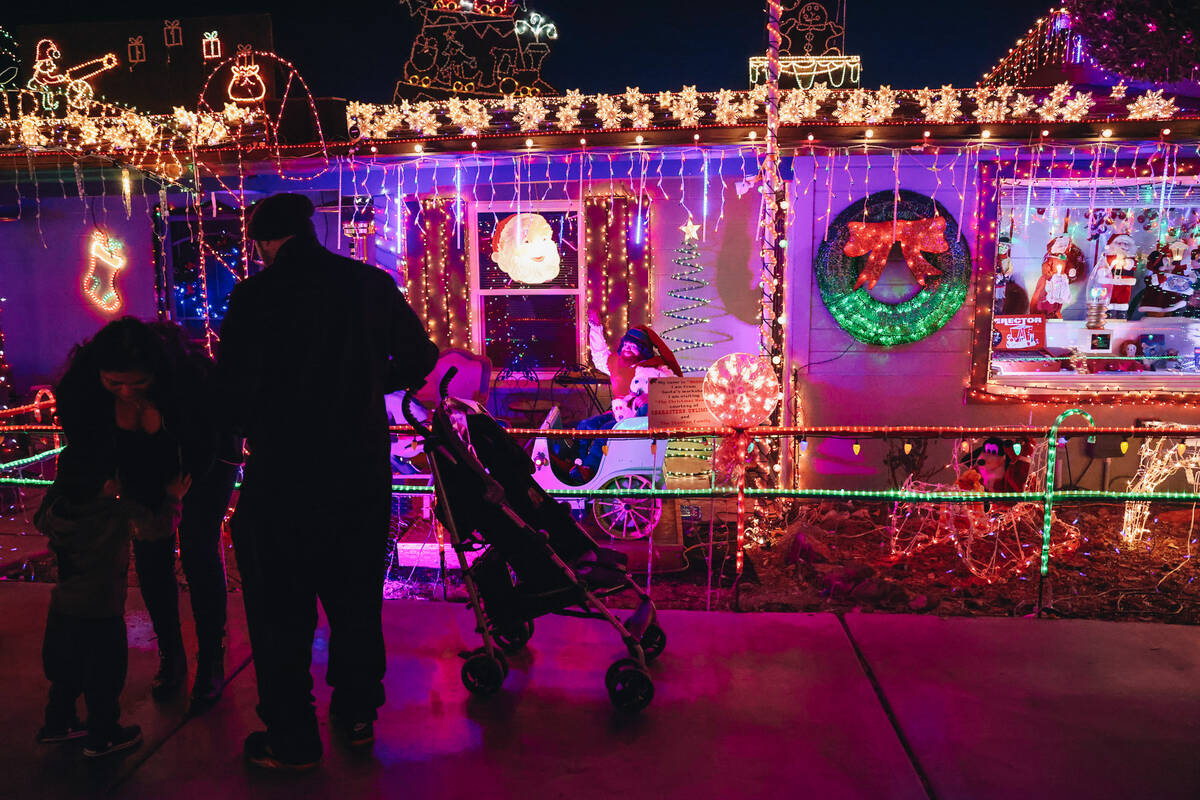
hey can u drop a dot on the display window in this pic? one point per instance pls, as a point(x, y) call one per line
point(1096, 288)
point(528, 289)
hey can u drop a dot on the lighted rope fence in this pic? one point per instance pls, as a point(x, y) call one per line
point(1047, 497)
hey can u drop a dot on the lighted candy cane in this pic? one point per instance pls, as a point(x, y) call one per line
point(1048, 502)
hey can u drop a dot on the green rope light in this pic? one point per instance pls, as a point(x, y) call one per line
point(25, 462)
point(874, 321)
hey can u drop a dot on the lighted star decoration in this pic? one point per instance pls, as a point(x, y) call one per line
point(1118, 91)
point(690, 230)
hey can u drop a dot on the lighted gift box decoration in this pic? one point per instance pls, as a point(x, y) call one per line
point(212, 45)
point(172, 33)
point(137, 50)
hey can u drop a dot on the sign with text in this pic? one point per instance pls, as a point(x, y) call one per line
point(1019, 333)
point(679, 402)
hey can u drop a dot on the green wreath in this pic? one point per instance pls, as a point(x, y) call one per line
point(874, 321)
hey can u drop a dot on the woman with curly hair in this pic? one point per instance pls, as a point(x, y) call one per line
point(141, 395)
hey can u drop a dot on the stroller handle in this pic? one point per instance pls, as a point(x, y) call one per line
point(406, 406)
point(444, 386)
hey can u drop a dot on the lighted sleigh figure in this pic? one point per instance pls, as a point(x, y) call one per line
point(992, 538)
point(626, 464)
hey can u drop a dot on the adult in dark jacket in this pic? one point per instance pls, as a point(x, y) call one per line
point(308, 349)
point(138, 394)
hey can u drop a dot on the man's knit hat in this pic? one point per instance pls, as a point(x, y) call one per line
point(280, 216)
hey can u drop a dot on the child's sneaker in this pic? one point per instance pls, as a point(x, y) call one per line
point(53, 734)
point(120, 739)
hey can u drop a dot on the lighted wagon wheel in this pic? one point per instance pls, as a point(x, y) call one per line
point(627, 517)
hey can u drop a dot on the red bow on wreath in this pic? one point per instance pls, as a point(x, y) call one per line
point(875, 239)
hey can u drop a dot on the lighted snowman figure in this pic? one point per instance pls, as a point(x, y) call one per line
point(523, 247)
point(741, 390)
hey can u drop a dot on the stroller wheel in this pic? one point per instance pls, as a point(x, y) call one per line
point(654, 641)
point(483, 674)
point(514, 639)
point(629, 686)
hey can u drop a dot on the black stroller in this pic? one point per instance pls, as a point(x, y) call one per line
point(536, 560)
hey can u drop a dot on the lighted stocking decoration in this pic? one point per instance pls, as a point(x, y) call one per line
point(99, 282)
point(523, 247)
point(875, 239)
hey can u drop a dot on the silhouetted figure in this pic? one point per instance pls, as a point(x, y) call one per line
point(139, 394)
point(309, 348)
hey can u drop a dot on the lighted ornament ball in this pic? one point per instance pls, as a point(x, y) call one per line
point(741, 390)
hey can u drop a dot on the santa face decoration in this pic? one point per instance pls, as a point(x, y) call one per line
point(524, 248)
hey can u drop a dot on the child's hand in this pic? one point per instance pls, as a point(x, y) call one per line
point(179, 486)
point(112, 488)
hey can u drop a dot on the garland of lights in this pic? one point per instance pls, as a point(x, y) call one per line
point(1156, 40)
point(887, 324)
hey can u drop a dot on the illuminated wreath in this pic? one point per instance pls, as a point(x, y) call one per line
point(856, 249)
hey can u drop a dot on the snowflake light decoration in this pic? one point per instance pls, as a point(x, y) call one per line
point(567, 117)
point(1152, 105)
point(883, 104)
point(685, 106)
point(1023, 105)
point(942, 107)
point(470, 115)
point(1051, 107)
point(608, 110)
point(531, 113)
point(726, 111)
point(1078, 106)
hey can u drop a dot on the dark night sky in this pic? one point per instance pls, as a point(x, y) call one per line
point(357, 49)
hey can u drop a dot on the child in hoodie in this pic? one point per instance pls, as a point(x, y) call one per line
point(85, 650)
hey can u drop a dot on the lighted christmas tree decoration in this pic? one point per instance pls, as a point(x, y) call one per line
point(688, 313)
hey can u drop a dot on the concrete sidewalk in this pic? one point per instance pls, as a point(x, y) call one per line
point(747, 706)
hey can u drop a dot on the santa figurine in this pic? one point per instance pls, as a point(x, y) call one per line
point(640, 357)
point(1062, 265)
point(1120, 265)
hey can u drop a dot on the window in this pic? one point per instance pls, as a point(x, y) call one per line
point(527, 287)
point(1097, 287)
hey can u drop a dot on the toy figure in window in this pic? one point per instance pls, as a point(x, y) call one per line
point(1062, 265)
point(1010, 297)
point(1120, 265)
point(1168, 284)
point(1129, 351)
point(640, 357)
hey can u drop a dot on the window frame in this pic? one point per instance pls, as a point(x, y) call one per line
point(478, 293)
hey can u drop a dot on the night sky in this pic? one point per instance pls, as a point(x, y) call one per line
point(357, 49)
